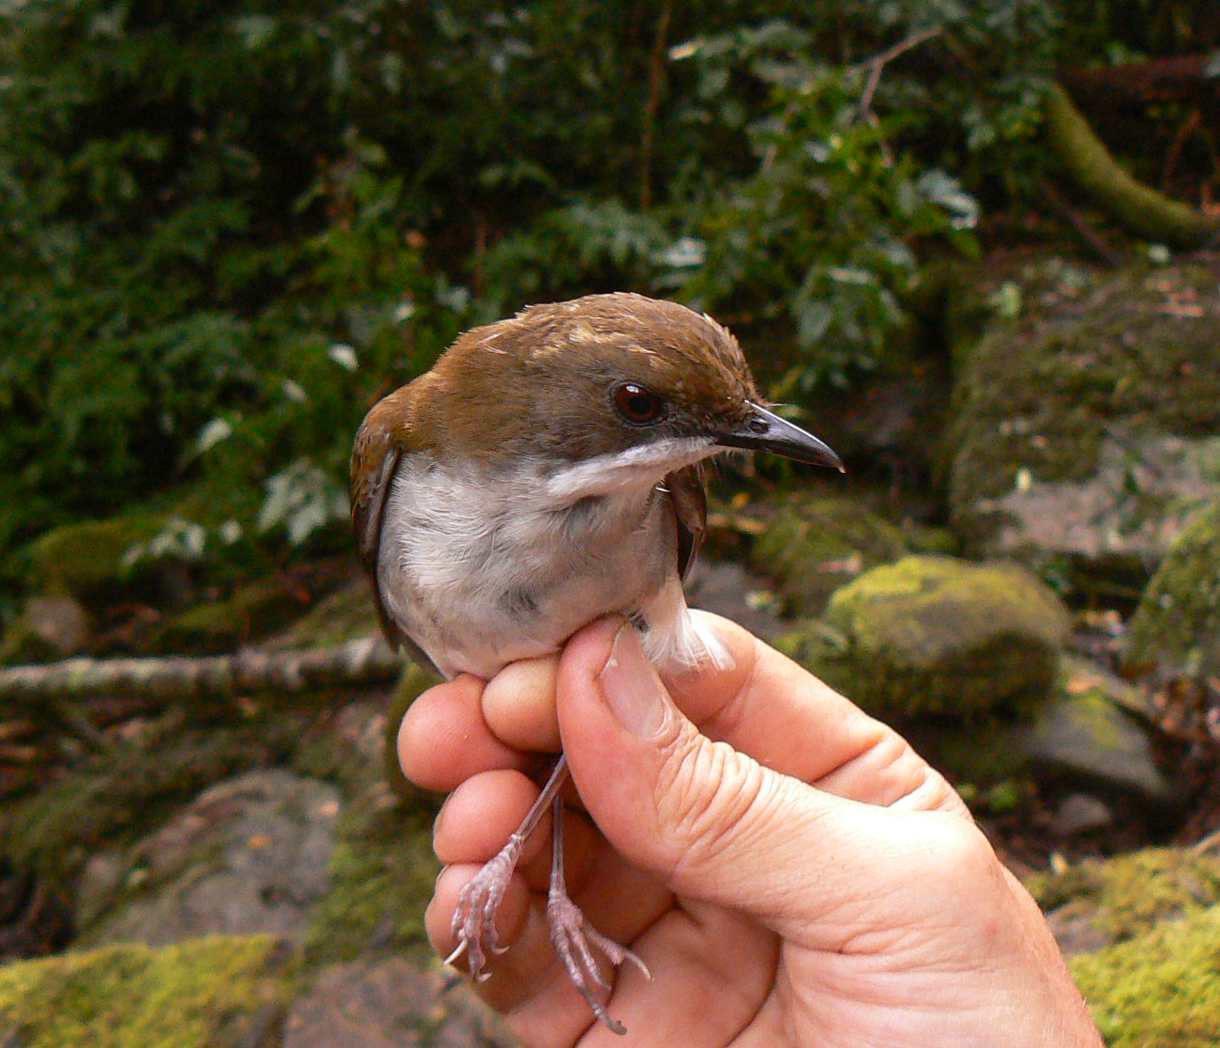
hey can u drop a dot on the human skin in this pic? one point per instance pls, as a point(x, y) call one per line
point(790, 870)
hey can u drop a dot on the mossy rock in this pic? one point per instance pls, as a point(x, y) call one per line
point(113, 798)
point(382, 873)
point(247, 856)
point(1126, 895)
point(943, 636)
point(220, 992)
point(814, 546)
point(1083, 425)
point(1160, 988)
point(252, 611)
point(1177, 623)
point(1088, 739)
point(87, 560)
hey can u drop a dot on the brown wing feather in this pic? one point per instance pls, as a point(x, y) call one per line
point(381, 441)
point(689, 497)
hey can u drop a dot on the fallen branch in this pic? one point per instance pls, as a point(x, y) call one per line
point(1136, 207)
point(357, 664)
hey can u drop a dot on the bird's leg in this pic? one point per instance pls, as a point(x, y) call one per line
point(474, 921)
point(572, 935)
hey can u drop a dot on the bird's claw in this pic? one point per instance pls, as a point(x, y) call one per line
point(573, 938)
point(474, 920)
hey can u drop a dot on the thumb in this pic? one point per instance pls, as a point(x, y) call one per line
point(710, 821)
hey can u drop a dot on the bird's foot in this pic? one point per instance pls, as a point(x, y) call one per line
point(474, 920)
point(574, 938)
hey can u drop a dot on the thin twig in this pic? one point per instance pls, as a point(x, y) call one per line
point(656, 82)
point(1092, 239)
point(878, 62)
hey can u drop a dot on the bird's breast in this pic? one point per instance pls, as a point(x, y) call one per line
point(482, 570)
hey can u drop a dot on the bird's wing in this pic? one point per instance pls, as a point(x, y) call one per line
point(379, 446)
point(689, 497)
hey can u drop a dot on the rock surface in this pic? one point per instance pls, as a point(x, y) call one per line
point(221, 992)
point(389, 1003)
point(1087, 740)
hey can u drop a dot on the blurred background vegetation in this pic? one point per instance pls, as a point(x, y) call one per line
point(226, 226)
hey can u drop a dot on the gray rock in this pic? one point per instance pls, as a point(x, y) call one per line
point(1080, 813)
point(1086, 738)
point(249, 855)
point(49, 627)
point(728, 589)
point(390, 1004)
point(1132, 508)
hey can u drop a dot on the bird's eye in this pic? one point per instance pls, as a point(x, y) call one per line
point(638, 405)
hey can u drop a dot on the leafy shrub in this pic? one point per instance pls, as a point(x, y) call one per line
point(210, 208)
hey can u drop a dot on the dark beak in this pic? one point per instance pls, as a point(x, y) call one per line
point(766, 431)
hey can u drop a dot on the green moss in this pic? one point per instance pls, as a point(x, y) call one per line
point(1177, 622)
point(936, 635)
point(985, 755)
point(347, 614)
point(1138, 208)
point(209, 993)
point(86, 560)
point(382, 872)
point(1160, 988)
point(252, 611)
point(1129, 894)
point(814, 546)
point(414, 681)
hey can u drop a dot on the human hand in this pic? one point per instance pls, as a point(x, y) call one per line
point(791, 871)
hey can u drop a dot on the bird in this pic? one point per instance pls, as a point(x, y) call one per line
point(548, 470)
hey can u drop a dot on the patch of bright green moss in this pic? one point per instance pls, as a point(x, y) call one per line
point(1177, 622)
point(1131, 893)
point(204, 993)
point(1160, 988)
point(938, 635)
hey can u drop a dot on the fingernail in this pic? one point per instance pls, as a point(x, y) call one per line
point(631, 687)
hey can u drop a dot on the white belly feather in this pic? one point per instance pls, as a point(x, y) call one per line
point(481, 574)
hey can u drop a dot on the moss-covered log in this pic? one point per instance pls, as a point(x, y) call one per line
point(1138, 208)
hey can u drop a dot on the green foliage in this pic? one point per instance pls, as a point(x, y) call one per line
point(189, 228)
point(822, 234)
point(226, 226)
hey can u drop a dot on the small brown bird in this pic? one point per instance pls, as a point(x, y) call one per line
point(544, 473)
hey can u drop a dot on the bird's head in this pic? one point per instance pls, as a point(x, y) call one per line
point(606, 381)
